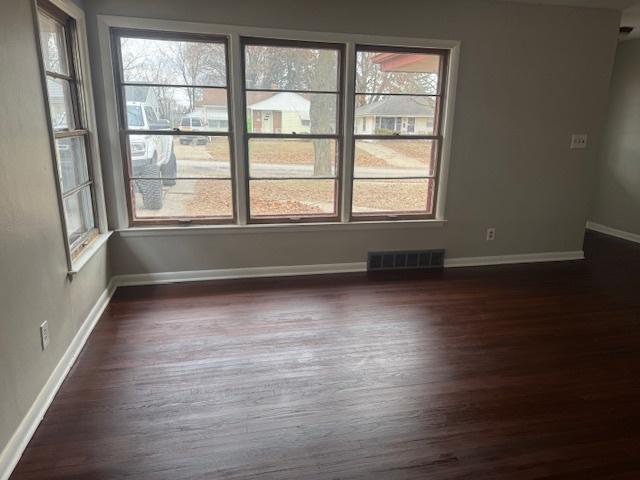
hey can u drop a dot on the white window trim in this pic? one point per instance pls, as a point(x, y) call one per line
point(233, 33)
point(75, 264)
point(254, 228)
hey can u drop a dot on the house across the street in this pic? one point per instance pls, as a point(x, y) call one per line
point(282, 112)
point(401, 114)
point(212, 110)
point(266, 112)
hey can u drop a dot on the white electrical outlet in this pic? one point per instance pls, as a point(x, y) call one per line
point(491, 234)
point(579, 141)
point(44, 334)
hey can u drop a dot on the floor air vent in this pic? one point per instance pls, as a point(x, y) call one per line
point(413, 260)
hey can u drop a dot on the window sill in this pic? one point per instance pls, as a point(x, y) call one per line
point(88, 253)
point(278, 228)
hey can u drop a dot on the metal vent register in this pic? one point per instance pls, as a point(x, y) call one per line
point(410, 260)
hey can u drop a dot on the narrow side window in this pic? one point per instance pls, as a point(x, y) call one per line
point(67, 116)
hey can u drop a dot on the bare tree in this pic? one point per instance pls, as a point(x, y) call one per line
point(197, 64)
point(269, 67)
point(322, 111)
point(173, 63)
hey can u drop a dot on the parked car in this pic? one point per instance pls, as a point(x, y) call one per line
point(192, 124)
point(152, 156)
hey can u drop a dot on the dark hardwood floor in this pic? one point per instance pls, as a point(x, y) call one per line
point(510, 372)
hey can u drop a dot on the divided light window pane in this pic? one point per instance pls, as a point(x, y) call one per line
point(53, 44)
point(398, 72)
point(273, 158)
point(195, 156)
point(292, 91)
point(78, 209)
point(164, 108)
point(177, 87)
point(60, 104)
point(394, 158)
point(393, 196)
point(395, 115)
point(292, 112)
point(300, 197)
point(291, 68)
point(173, 62)
point(72, 158)
point(199, 199)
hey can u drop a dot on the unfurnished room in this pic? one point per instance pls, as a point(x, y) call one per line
point(323, 240)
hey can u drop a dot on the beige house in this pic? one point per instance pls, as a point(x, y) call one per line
point(283, 112)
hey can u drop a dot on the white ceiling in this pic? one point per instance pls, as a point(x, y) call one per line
point(615, 4)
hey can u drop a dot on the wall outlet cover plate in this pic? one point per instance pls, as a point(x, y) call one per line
point(579, 141)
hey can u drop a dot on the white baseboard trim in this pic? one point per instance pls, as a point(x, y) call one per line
point(12, 452)
point(292, 270)
point(511, 259)
point(614, 232)
point(231, 273)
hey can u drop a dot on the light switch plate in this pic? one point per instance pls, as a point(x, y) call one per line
point(579, 141)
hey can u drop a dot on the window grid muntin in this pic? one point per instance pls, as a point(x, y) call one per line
point(80, 241)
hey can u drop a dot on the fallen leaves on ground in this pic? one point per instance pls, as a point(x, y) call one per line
point(312, 197)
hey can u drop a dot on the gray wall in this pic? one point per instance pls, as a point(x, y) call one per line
point(33, 284)
point(529, 77)
point(616, 201)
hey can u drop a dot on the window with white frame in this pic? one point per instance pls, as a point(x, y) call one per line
point(68, 119)
point(288, 164)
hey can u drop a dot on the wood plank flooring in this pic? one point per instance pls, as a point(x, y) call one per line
point(510, 372)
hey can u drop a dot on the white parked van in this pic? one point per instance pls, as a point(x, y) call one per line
point(192, 124)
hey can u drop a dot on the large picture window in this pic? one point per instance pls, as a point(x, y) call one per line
point(68, 120)
point(292, 94)
point(397, 132)
point(244, 129)
point(175, 126)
